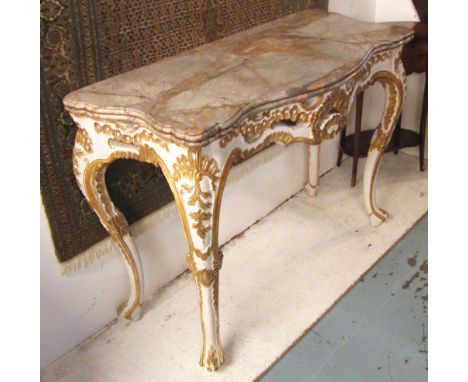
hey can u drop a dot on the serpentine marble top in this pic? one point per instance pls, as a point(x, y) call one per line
point(195, 97)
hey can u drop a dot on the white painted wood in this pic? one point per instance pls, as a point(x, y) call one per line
point(376, 215)
point(296, 263)
point(75, 306)
point(133, 249)
point(314, 170)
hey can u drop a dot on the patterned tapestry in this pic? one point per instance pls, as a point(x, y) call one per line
point(85, 41)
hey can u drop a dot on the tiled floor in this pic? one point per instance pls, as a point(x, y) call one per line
point(378, 332)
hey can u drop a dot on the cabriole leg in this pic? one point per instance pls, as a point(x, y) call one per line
point(314, 170)
point(199, 186)
point(90, 175)
point(394, 88)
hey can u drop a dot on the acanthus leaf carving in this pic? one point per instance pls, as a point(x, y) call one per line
point(136, 135)
point(194, 167)
point(211, 360)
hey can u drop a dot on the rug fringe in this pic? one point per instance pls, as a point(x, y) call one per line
point(155, 219)
point(99, 250)
point(107, 247)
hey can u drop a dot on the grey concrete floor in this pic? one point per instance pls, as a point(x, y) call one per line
point(377, 332)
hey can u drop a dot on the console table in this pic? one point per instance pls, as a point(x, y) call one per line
point(290, 80)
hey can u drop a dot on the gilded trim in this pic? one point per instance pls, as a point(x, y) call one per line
point(325, 114)
point(394, 87)
point(395, 90)
point(194, 167)
point(197, 180)
point(212, 361)
point(136, 139)
point(111, 218)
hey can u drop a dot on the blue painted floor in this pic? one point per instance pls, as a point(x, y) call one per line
point(377, 332)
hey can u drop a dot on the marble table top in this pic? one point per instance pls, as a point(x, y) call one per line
point(196, 96)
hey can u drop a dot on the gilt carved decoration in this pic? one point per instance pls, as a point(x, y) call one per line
point(217, 108)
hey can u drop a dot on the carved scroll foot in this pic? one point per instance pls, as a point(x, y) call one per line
point(90, 175)
point(377, 220)
point(376, 215)
point(314, 170)
point(394, 88)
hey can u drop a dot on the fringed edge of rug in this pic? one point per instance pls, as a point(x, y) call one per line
point(155, 219)
point(107, 247)
point(99, 250)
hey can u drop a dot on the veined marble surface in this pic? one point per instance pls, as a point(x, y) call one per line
point(195, 95)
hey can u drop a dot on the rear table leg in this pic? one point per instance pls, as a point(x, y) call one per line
point(394, 88)
point(314, 170)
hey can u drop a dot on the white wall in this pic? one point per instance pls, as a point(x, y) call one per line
point(395, 10)
point(74, 307)
point(363, 10)
point(375, 10)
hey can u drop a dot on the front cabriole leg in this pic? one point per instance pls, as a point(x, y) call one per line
point(199, 184)
point(196, 183)
point(89, 169)
point(394, 88)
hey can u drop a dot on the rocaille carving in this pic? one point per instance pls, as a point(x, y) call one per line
point(83, 145)
point(205, 276)
point(136, 139)
point(82, 139)
point(251, 130)
point(395, 90)
point(212, 361)
point(326, 118)
point(202, 255)
point(253, 127)
point(375, 59)
point(278, 137)
point(194, 167)
point(330, 118)
point(217, 258)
